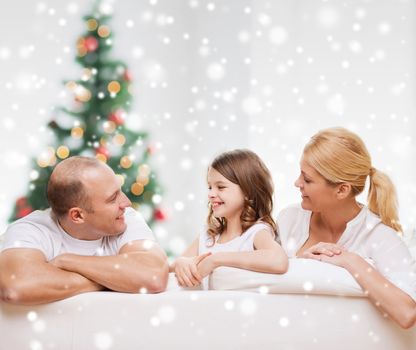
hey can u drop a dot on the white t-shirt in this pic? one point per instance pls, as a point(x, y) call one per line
point(364, 235)
point(40, 230)
point(242, 243)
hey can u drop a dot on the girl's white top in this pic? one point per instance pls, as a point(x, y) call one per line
point(242, 243)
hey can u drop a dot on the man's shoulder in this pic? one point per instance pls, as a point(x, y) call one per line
point(36, 230)
point(38, 218)
point(133, 214)
point(134, 219)
point(136, 226)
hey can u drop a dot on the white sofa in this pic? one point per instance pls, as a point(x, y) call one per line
point(314, 306)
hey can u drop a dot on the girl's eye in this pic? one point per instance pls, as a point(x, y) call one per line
point(307, 181)
point(221, 187)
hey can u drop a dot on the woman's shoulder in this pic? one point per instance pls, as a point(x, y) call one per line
point(374, 224)
point(378, 234)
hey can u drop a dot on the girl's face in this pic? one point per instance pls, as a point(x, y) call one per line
point(317, 194)
point(225, 197)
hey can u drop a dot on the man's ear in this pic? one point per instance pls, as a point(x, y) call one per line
point(344, 190)
point(76, 215)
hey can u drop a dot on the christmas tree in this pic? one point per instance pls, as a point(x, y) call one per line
point(95, 126)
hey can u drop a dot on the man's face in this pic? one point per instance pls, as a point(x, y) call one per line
point(108, 202)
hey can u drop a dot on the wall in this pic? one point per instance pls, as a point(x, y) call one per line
point(216, 75)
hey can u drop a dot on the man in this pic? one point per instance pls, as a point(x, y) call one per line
point(89, 240)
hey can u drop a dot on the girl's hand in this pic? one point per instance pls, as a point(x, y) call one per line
point(186, 270)
point(206, 266)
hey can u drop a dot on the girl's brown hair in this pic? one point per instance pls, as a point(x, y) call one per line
point(245, 169)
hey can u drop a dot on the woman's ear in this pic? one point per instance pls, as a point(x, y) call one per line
point(344, 190)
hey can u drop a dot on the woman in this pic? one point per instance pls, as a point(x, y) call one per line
point(331, 226)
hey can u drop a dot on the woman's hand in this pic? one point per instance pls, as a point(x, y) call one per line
point(186, 270)
point(327, 252)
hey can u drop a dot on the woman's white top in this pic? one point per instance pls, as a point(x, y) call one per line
point(364, 235)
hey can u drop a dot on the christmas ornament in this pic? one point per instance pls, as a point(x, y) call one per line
point(117, 116)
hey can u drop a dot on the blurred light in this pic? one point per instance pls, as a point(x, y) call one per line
point(62, 152)
point(113, 87)
point(101, 157)
point(103, 31)
point(144, 170)
point(109, 127)
point(137, 189)
point(47, 158)
point(92, 24)
point(126, 162)
point(144, 180)
point(77, 132)
point(119, 139)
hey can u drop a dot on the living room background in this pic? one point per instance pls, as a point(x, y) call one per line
point(210, 76)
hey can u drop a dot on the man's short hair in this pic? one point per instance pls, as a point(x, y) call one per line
point(65, 188)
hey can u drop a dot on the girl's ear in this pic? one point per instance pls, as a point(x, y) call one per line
point(344, 190)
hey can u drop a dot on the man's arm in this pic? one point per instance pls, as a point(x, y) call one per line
point(141, 265)
point(27, 278)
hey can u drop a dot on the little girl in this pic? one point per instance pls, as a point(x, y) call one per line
point(240, 229)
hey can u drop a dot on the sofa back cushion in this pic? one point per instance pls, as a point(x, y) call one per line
point(305, 276)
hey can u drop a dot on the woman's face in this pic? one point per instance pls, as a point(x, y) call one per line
point(317, 194)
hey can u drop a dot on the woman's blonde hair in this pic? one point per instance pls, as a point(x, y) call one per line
point(245, 169)
point(340, 155)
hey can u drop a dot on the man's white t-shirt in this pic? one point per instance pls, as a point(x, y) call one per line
point(364, 235)
point(40, 230)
